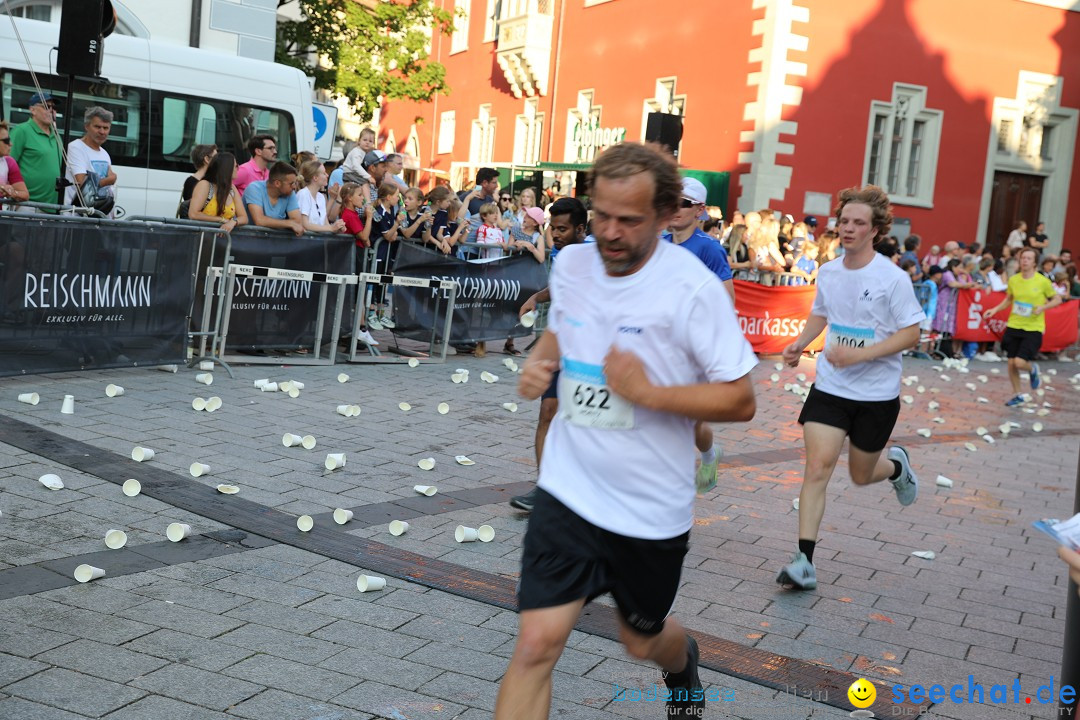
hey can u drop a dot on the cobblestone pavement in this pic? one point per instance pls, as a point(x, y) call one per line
point(210, 628)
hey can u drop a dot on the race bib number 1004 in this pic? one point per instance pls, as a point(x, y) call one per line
point(842, 336)
point(586, 400)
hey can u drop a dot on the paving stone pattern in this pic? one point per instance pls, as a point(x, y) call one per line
point(277, 632)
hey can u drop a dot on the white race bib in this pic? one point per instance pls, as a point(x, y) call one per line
point(842, 336)
point(1022, 309)
point(586, 400)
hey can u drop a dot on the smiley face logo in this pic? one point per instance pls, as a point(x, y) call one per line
point(862, 693)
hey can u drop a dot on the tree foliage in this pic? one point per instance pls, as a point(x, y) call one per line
point(364, 49)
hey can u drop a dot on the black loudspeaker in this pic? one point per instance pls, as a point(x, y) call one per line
point(665, 129)
point(84, 24)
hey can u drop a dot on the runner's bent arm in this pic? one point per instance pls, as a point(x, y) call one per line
point(712, 402)
point(814, 325)
point(1052, 302)
point(539, 369)
point(899, 341)
point(1004, 304)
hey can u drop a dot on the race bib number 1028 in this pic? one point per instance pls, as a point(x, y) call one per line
point(587, 401)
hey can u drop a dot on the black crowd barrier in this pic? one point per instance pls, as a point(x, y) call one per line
point(80, 292)
point(489, 294)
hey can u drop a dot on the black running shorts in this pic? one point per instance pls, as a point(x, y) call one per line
point(553, 389)
point(868, 423)
point(566, 558)
point(1023, 344)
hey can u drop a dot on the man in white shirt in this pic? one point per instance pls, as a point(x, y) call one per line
point(86, 155)
point(872, 315)
point(647, 343)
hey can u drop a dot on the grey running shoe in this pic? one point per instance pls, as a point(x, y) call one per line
point(687, 701)
point(799, 573)
point(524, 502)
point(907, 485)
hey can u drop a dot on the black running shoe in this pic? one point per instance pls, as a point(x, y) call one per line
point(687, 698)
point(524, 502)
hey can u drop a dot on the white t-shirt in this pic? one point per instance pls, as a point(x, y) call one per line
point(863, 307)
point(1016, 239)
point(621, 467)
point(82, 159)
point(313, 206)
point(489, 235)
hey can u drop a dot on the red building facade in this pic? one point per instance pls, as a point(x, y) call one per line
point(966, 111)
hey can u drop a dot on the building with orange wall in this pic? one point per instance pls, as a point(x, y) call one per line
point(966, 111)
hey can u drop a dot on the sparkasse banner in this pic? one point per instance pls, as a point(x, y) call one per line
point(771, 318)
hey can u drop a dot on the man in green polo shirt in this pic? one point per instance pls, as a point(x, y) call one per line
point(36, 148)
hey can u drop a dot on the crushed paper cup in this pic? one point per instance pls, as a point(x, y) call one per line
point(213, 404)
point(199, 469)
point(342, 378)
point(260, 382)
point(464, 460)
point(1037, 427)
point(485, 533)
point(775, 377)
point(920, 389)
point(511, 406)
point(68, 407)
point(1041, 392)
point(342, 516)
point(141, 454)
point(334, 461)
point(1041, 412)
point(404, 407)
point(463, 371)
point(198, 404)
point(51, 481)
point(944, 482)
point(291, 439)
point(925, 554)
point(228, 489)
point(946, 378)
point(457, 378)
point(513, 367)
point(933, 405)
point(925, 432)
point(113, 390)
point(168, 368)
point(778, 366)
point(465, 534)
point(980, 431)
point(85, 573)
point(413, 362)
point(509, 363)
point(982, 378)
point(1015, 424)
point(908, 399)
point(370, 583)
point(801, 377)
point(528, 319)
point(938, 420)
point(795, 503)
point(970, 446)
point(982, 400)
point(970, 386)
point(206, 365)
point(988, 438)
point(1005, 428)
point(30, 398)
point(115, 539)
point(309, 442)
point(304, 523)
point(205, 378)
point(177, 531)
point(489, 377)
point(443, 408)
point(269, 387)
point(426, 490)
point(398, 527)
point(131, 487)
point(426, 463)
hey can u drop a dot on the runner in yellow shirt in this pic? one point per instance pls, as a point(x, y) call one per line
point(1030, 295)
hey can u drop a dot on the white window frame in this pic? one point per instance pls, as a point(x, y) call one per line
point(459, 40)
point(664, 100)
point(491, 21)
point(482, 137)
point(447, 131)
point(528, 133)
point(900, 117)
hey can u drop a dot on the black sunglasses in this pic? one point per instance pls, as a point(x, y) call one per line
point(6, 141)
point(688, 203)
point(504, 199)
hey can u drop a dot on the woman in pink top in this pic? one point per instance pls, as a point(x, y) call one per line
point(12, 185)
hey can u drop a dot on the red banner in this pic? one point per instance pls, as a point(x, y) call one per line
point(1062, 322)
point(772, 317)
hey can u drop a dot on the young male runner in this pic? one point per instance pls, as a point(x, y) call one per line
point(569, 220)
point(647, 344)
point(1030, 295)
point(872, 315)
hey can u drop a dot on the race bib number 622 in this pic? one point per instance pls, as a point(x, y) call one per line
point(587, 401)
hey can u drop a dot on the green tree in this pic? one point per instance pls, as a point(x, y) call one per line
point(364, 49)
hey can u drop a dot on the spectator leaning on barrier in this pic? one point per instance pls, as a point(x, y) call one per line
point(88, 159)
point(12, 185)
point(218, 183)
point(263, 150)
point(437, 231)
point(272, 203)
point(35, 146)
point(311, 200)
point(414, 215)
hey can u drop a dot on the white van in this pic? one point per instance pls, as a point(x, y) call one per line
point(164, 99)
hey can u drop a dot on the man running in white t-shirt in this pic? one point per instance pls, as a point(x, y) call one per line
point(872, 316)
point(647, 343)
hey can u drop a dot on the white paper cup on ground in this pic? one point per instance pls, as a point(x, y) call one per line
point(228, 489)
point(141, 454)
point(464, 460)
point(426, 463)
point(404, 406)
point(457, 378)
point(294, 392)
point(199, 469)
point(485, 533)
point(51, 481)
point(465, 534)
point(206, 365)
point(205, 378)
point(413, 362)
point(85, 573)
point(198, 404)
point(528, 319)
point(68, 408)
point(213, 404)
point(30, 398)
point(177, 531)
point(291, 440)
point(342, 516)
point(511, 406)
point(443, 408)
point(489, 377)
point(132, 487)
point(115, 539)
point(427, 490)
point(342, 378)
point(354, 410)
point(334, 461)
point(113, 390)
point(345, 410)
point(269, 387)
point(168, 368)
point(398, 527)
point(305, 523)
point(309, 442)
point(297, 384)
point(368, 583)
point(260, 382)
